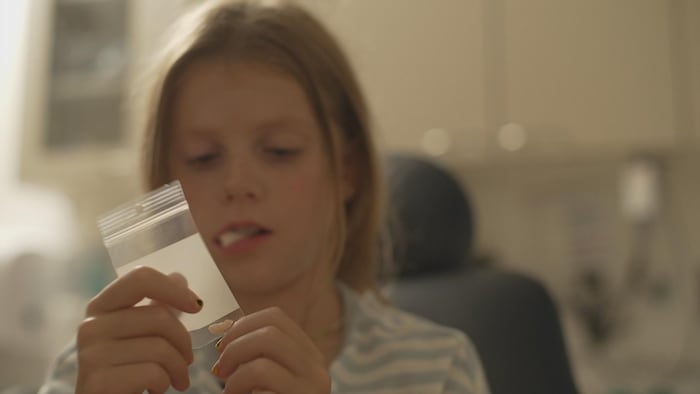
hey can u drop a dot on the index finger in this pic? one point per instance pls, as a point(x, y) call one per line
point(273, 316)
point(144, 282)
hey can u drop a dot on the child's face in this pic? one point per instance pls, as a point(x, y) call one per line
point(250, 156)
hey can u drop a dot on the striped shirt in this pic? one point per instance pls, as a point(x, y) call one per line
point(385, 351)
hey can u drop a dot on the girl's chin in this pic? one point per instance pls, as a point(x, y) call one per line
point(261, 281)
point(253, 281)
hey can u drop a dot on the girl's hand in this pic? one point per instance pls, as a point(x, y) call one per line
point(123, 348)
point(267, 351)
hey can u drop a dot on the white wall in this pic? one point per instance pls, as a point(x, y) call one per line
point(14, 20)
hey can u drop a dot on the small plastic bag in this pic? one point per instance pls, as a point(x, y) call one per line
point(157, 230)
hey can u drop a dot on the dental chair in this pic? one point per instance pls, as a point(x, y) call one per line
point(511, 319)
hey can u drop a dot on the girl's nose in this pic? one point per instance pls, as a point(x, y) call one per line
point(241, 183)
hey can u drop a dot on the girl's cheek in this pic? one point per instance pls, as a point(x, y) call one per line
point(311, 185)
point(298, 184)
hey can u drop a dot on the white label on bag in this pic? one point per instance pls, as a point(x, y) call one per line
point(191, 258)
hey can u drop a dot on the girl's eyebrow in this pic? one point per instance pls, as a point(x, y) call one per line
point(196, 134)
point(282, 123)
point(279, 124)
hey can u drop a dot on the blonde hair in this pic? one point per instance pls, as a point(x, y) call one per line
point(286, 36)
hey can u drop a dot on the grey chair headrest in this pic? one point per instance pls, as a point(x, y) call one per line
point(431, 221)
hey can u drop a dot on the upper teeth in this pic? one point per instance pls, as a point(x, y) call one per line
point(232, 236)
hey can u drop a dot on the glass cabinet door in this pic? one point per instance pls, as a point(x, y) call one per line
point(87, 75)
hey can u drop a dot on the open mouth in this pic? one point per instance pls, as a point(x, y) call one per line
point(232, 236)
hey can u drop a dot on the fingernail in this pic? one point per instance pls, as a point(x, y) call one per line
point(221, 327)
point(218, 343)
point(200, 302)
point(215, 369)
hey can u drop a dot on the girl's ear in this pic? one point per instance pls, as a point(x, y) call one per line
point(349, 171)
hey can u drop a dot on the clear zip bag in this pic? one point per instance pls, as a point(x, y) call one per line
point(157, 230)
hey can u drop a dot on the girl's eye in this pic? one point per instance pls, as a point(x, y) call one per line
point(202, 160)
point(282, 153)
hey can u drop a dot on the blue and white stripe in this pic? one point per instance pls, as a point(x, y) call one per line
point(389, 351)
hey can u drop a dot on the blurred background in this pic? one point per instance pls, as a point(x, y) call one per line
point(574, 126)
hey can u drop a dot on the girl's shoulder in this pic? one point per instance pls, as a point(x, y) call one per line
point(371, 316)
point(387, 349)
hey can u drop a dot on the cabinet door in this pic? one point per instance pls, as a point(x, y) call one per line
point(692, 36)
point(149, 22)
point(419, 61)
point(586, 76)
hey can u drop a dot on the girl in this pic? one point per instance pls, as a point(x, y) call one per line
point(257, 112)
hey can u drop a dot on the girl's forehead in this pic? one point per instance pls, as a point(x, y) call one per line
point(209, 78)
point(248, 83)
point(247, 94)
point(235, 66)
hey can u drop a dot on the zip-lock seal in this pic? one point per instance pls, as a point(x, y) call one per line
point(157, 230)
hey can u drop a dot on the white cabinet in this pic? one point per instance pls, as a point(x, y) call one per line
point(691, 11)
point(583, 76)
point(419, 61)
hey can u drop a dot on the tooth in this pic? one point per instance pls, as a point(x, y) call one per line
point(230, 237)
